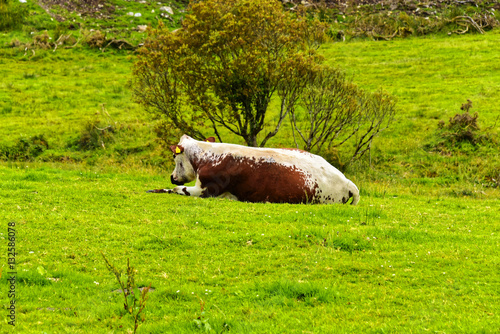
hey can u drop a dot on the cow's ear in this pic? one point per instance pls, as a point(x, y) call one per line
point(177, 149)
point(210, 139)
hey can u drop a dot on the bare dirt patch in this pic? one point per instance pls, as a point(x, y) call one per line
point(91, 8)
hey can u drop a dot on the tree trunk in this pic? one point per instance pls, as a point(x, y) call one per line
point(252, 140)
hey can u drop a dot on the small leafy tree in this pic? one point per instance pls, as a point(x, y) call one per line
point(327, 106)
point(222, 68)
point(376, 113)
point(334, 111)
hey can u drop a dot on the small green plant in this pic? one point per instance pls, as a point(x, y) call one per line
point(135, 299)
point(202, 321)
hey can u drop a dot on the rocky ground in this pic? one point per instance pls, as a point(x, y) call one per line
point(93, 8)
point(105, 9)
point(103, 22)
point(102, 9)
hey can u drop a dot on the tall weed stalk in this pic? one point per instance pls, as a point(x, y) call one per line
point(134, 298)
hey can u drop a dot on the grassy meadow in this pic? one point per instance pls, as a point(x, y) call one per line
point(418, 254)
point(396, 262)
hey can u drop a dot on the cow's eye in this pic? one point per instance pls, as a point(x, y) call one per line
point(174, 156)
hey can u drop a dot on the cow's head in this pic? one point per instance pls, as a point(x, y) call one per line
point(183, 172)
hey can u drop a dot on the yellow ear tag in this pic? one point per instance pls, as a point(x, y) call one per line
point(177, 150)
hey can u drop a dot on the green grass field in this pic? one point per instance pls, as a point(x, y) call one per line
point(419, 254)
point(397, 262)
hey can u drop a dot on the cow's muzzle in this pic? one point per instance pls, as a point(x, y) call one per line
point(174, 181)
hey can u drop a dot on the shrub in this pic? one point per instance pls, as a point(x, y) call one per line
point(25, 149)
point(335, 112)
point(462, 132)
point(94, 135)
point(12, 15)
point(462, 127)
point(41, 41)
point(95, 39)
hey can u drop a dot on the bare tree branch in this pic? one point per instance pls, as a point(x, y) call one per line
point(335, 112)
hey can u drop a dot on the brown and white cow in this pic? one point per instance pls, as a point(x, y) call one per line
point(256, 174)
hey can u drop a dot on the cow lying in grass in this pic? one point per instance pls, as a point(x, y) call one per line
point(256, 174)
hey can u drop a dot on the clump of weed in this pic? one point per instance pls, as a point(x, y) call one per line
point(462, 127)
point(134, 298)
point(462, 132)
point(15, 43)
point(41, 41)
point(95, 134)
point(285, 291)
point(95, 39)
point(24, 149)
point(492, 177)
point(62, 37)
point(202, 322)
